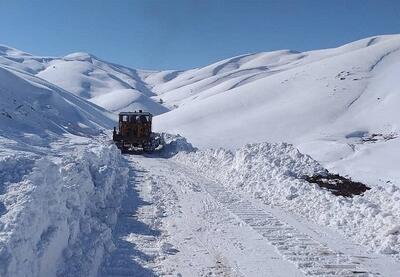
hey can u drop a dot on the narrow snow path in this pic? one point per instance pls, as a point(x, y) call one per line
point(175, 222)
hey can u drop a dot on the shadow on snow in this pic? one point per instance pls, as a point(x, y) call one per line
point(126, 259)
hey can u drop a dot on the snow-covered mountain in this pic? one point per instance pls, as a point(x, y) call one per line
point(71, 205)
point(35, 111)
point(290, 93)
point(338, 105)
point(111, 86)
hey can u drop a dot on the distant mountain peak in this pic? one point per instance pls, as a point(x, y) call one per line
point(10, 51)
point(80, 56)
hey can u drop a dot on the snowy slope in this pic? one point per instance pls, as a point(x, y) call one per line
point(113, 87)
point(330, 103)
point(298, 86)
point(179, 87)
point(128, 100)
point(88, 77)
point(35, 111)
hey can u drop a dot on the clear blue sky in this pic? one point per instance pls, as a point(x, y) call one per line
point(180, 34)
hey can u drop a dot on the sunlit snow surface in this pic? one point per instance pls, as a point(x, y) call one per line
point(328, 103)
point(61, 184)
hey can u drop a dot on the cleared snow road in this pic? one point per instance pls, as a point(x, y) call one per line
point(175, 222)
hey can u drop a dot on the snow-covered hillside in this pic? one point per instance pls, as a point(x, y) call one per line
point(338, 105)
point(111, 86)
point(259, 89)
point(35, 111)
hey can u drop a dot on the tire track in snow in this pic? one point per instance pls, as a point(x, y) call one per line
point(310, 256)
point(201, 220)
point(143, 245)
point(208, 239)
point(167, 194)
point(135, 227)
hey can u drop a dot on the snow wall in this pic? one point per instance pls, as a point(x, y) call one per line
point(57, 214)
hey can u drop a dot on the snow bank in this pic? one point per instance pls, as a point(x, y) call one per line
point(273, 173)
point(57, 215)
point(174, 144)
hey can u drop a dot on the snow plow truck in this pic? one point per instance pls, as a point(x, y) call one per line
point(134, 132)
